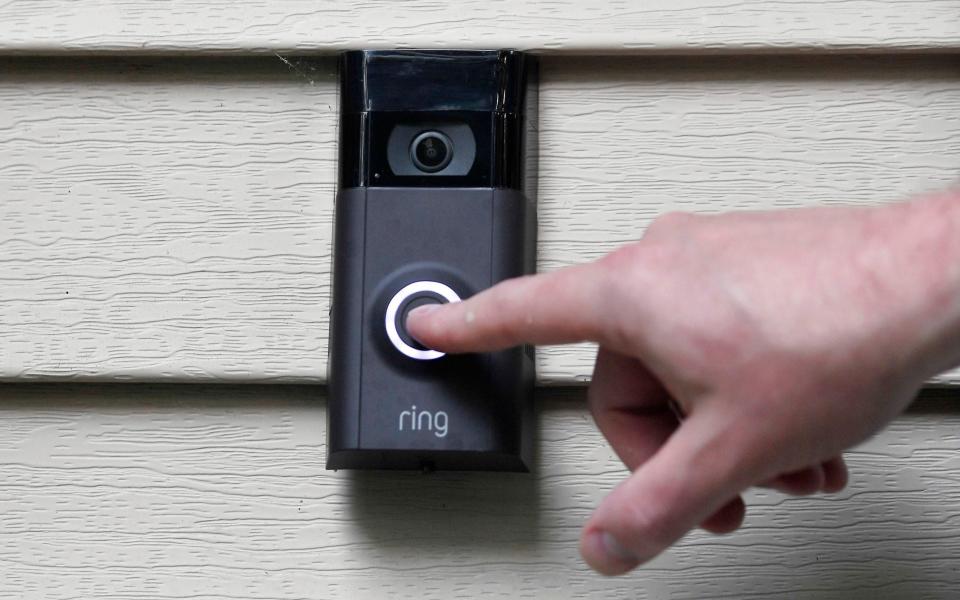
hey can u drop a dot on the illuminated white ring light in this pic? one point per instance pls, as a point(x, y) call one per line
point(390, 319)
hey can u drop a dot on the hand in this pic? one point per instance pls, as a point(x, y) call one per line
point(783, 338)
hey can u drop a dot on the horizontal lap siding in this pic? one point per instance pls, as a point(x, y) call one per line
point(184, 492)
point(171, 219)
point(551, 26)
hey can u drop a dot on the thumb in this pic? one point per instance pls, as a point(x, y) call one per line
point(694, 474)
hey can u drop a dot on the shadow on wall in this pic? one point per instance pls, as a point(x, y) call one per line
point(444, 514)
point(172, 71)
point(448, 516)
point(746, 69)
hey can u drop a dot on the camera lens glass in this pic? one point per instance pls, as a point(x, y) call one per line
point(431, 151)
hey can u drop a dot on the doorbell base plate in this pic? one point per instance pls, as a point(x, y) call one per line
point(435, 204)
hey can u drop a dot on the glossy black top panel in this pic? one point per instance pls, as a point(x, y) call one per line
point(432, 80)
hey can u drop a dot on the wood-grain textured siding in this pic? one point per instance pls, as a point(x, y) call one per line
point(192, 26)
point(170, 219)
point(212, 493)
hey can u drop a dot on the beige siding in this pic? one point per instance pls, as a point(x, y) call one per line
point(183, 492)
point(191, 26)
point(170, 219)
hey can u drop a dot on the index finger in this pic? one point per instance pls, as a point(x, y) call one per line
point(563, 306)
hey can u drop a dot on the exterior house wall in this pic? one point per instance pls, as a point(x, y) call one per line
point(167, 173)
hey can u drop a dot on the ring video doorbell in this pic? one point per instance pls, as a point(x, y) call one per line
point(435, 203)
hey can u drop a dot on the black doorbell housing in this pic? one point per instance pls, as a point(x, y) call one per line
point(435, 203)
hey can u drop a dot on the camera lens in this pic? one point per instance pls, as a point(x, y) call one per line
point(431, 151)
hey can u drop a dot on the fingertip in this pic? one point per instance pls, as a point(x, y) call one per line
point(803, 482)
point(463, 326)
point(836, 475)
point(728, 519)
point(605, 554)
point(417, 321)
point(426, 325)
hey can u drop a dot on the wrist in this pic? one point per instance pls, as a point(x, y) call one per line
point(920, 244)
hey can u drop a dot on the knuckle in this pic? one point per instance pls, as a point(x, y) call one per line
point(622, 258)
point(621, 266)
point(672, 222)
point(624, 282)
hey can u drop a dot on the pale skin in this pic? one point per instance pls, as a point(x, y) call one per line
point(783, 338)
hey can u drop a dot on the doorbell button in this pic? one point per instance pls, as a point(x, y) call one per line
point(405, 309)
point(409, 297)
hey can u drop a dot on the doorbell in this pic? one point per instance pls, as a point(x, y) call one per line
point(435, 203)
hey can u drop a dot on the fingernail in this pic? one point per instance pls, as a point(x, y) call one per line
point(615, 550)
point(424, 310)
